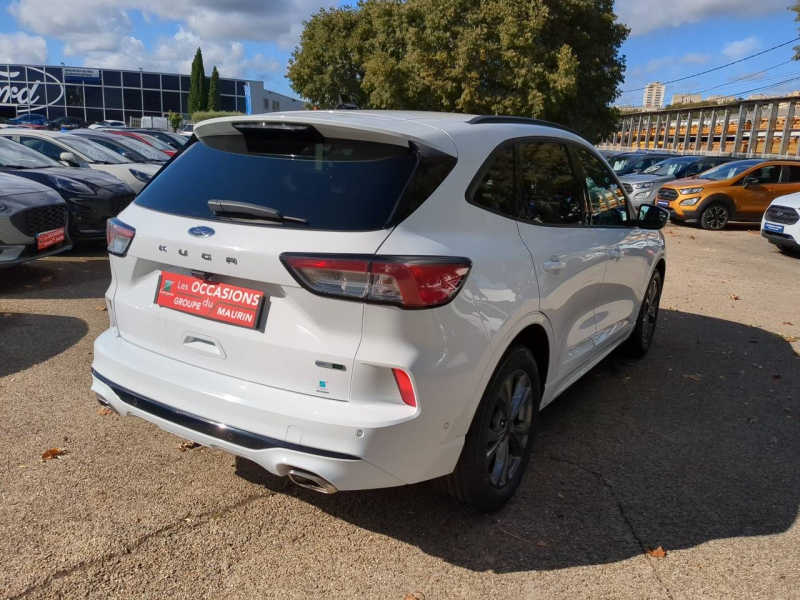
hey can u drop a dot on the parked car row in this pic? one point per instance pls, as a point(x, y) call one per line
point(713, 191)
point(57, 188)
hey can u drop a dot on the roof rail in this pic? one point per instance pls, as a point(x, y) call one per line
point(484, 119)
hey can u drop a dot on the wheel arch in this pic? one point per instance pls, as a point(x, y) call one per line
point(532, 331)
point(721, 198)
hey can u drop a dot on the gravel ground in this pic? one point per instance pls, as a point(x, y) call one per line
point(695, 449)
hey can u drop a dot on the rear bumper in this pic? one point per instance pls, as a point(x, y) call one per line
point(353, 447)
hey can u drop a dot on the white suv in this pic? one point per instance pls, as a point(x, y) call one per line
point(369, 299)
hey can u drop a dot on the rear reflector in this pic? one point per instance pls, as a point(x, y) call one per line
point(408, 282)
point(405, 387)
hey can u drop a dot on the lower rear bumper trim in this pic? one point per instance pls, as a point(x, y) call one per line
point(233, 435)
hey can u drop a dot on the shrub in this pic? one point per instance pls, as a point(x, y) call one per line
point(175, 121)
point(204, 115)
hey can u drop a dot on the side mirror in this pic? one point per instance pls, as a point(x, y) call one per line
point(652, 217)
point(69, 158)
point(748, 181)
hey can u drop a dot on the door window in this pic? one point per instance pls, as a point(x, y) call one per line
point(550, 194)
point(767, 174)
point(496, 190)
point(608, 203)
point(49, 149)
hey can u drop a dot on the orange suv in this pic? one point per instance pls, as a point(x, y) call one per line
point(735, 191)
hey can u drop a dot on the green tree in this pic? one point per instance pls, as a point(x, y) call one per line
point(198, 86)
point(795, 8)
point(551, 59)
point(213, 91)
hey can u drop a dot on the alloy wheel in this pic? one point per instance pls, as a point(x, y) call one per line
point(650, 313)
point(509, 428)
point(716, 217)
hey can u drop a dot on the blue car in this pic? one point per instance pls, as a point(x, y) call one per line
point(29, 119)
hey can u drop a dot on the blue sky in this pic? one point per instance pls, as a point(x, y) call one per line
point(254, 38)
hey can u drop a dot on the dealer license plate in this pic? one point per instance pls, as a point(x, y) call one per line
point(773, 228)
point(50, 238)
point(215, 301)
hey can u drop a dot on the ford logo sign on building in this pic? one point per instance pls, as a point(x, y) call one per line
point(202, 232)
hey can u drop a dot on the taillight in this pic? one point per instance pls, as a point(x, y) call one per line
point(404, 385)
point(119, 237)
point(408, 282)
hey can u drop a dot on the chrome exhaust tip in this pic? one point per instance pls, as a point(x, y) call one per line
point(311, 481)
point(103, 402)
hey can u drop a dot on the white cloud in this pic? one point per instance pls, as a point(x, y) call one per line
point(101, 32)
point(20, 47)
point(742, 48)
point(644, 16)
point(175, 54)
point(695, 58)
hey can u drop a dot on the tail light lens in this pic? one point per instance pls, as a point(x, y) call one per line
point(408, 282)
point(119, 237)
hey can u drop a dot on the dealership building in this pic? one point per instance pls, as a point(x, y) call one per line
point(100, 94)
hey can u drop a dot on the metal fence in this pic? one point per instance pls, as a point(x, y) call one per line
point(752, 128)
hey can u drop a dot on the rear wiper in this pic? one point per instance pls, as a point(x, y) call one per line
point(252, 212)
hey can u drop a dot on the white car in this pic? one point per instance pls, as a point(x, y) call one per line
point(187, 130)
point(363, 299)
point(72, 150)
point(781, 223)
point(109, 125)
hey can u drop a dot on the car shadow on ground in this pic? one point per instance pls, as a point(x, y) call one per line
point(699, 441)
point(83, 272)
point(28, 339)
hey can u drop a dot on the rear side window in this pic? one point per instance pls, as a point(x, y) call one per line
point(496, 190)
point(333, 184)
point(790, 174)
point(550, 194)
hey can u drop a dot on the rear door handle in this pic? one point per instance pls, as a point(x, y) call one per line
point(617, 253)
point(554, 265)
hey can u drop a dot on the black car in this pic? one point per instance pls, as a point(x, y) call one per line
point(636, 162)
point(92, 196)
point(173, 139)
point(66, 123)
point(129, 147)
point(33, 221)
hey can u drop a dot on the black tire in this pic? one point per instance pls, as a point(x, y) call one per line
point(641, 339)
point(478, 478)
point(715, 217)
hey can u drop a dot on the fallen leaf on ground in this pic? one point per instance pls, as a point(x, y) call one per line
point(791, 338)
point(734, 297)
point(691, 237)
point(776, 376)
point(188, 446)
point(28, 286)
point(656, 552)
point(46, 279)
point(53, 453)
point(693, 377)
point(542, 544)
point(756, 232)
point(103, 308)
point(104, 411)
point(787, 323)
point(414, 596)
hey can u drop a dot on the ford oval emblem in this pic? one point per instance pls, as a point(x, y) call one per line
point(201, 232)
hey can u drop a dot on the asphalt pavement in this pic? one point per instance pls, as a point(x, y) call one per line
point(694, 450)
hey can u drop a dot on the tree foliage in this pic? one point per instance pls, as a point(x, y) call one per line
point(213, 91)
point(198, 85)
point(795, 8)
point(550, 59)
point(175, 120)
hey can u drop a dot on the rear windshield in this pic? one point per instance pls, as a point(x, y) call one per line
point(332, 184)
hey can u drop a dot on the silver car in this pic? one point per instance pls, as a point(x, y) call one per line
point(33, 221)
point(643, 187)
